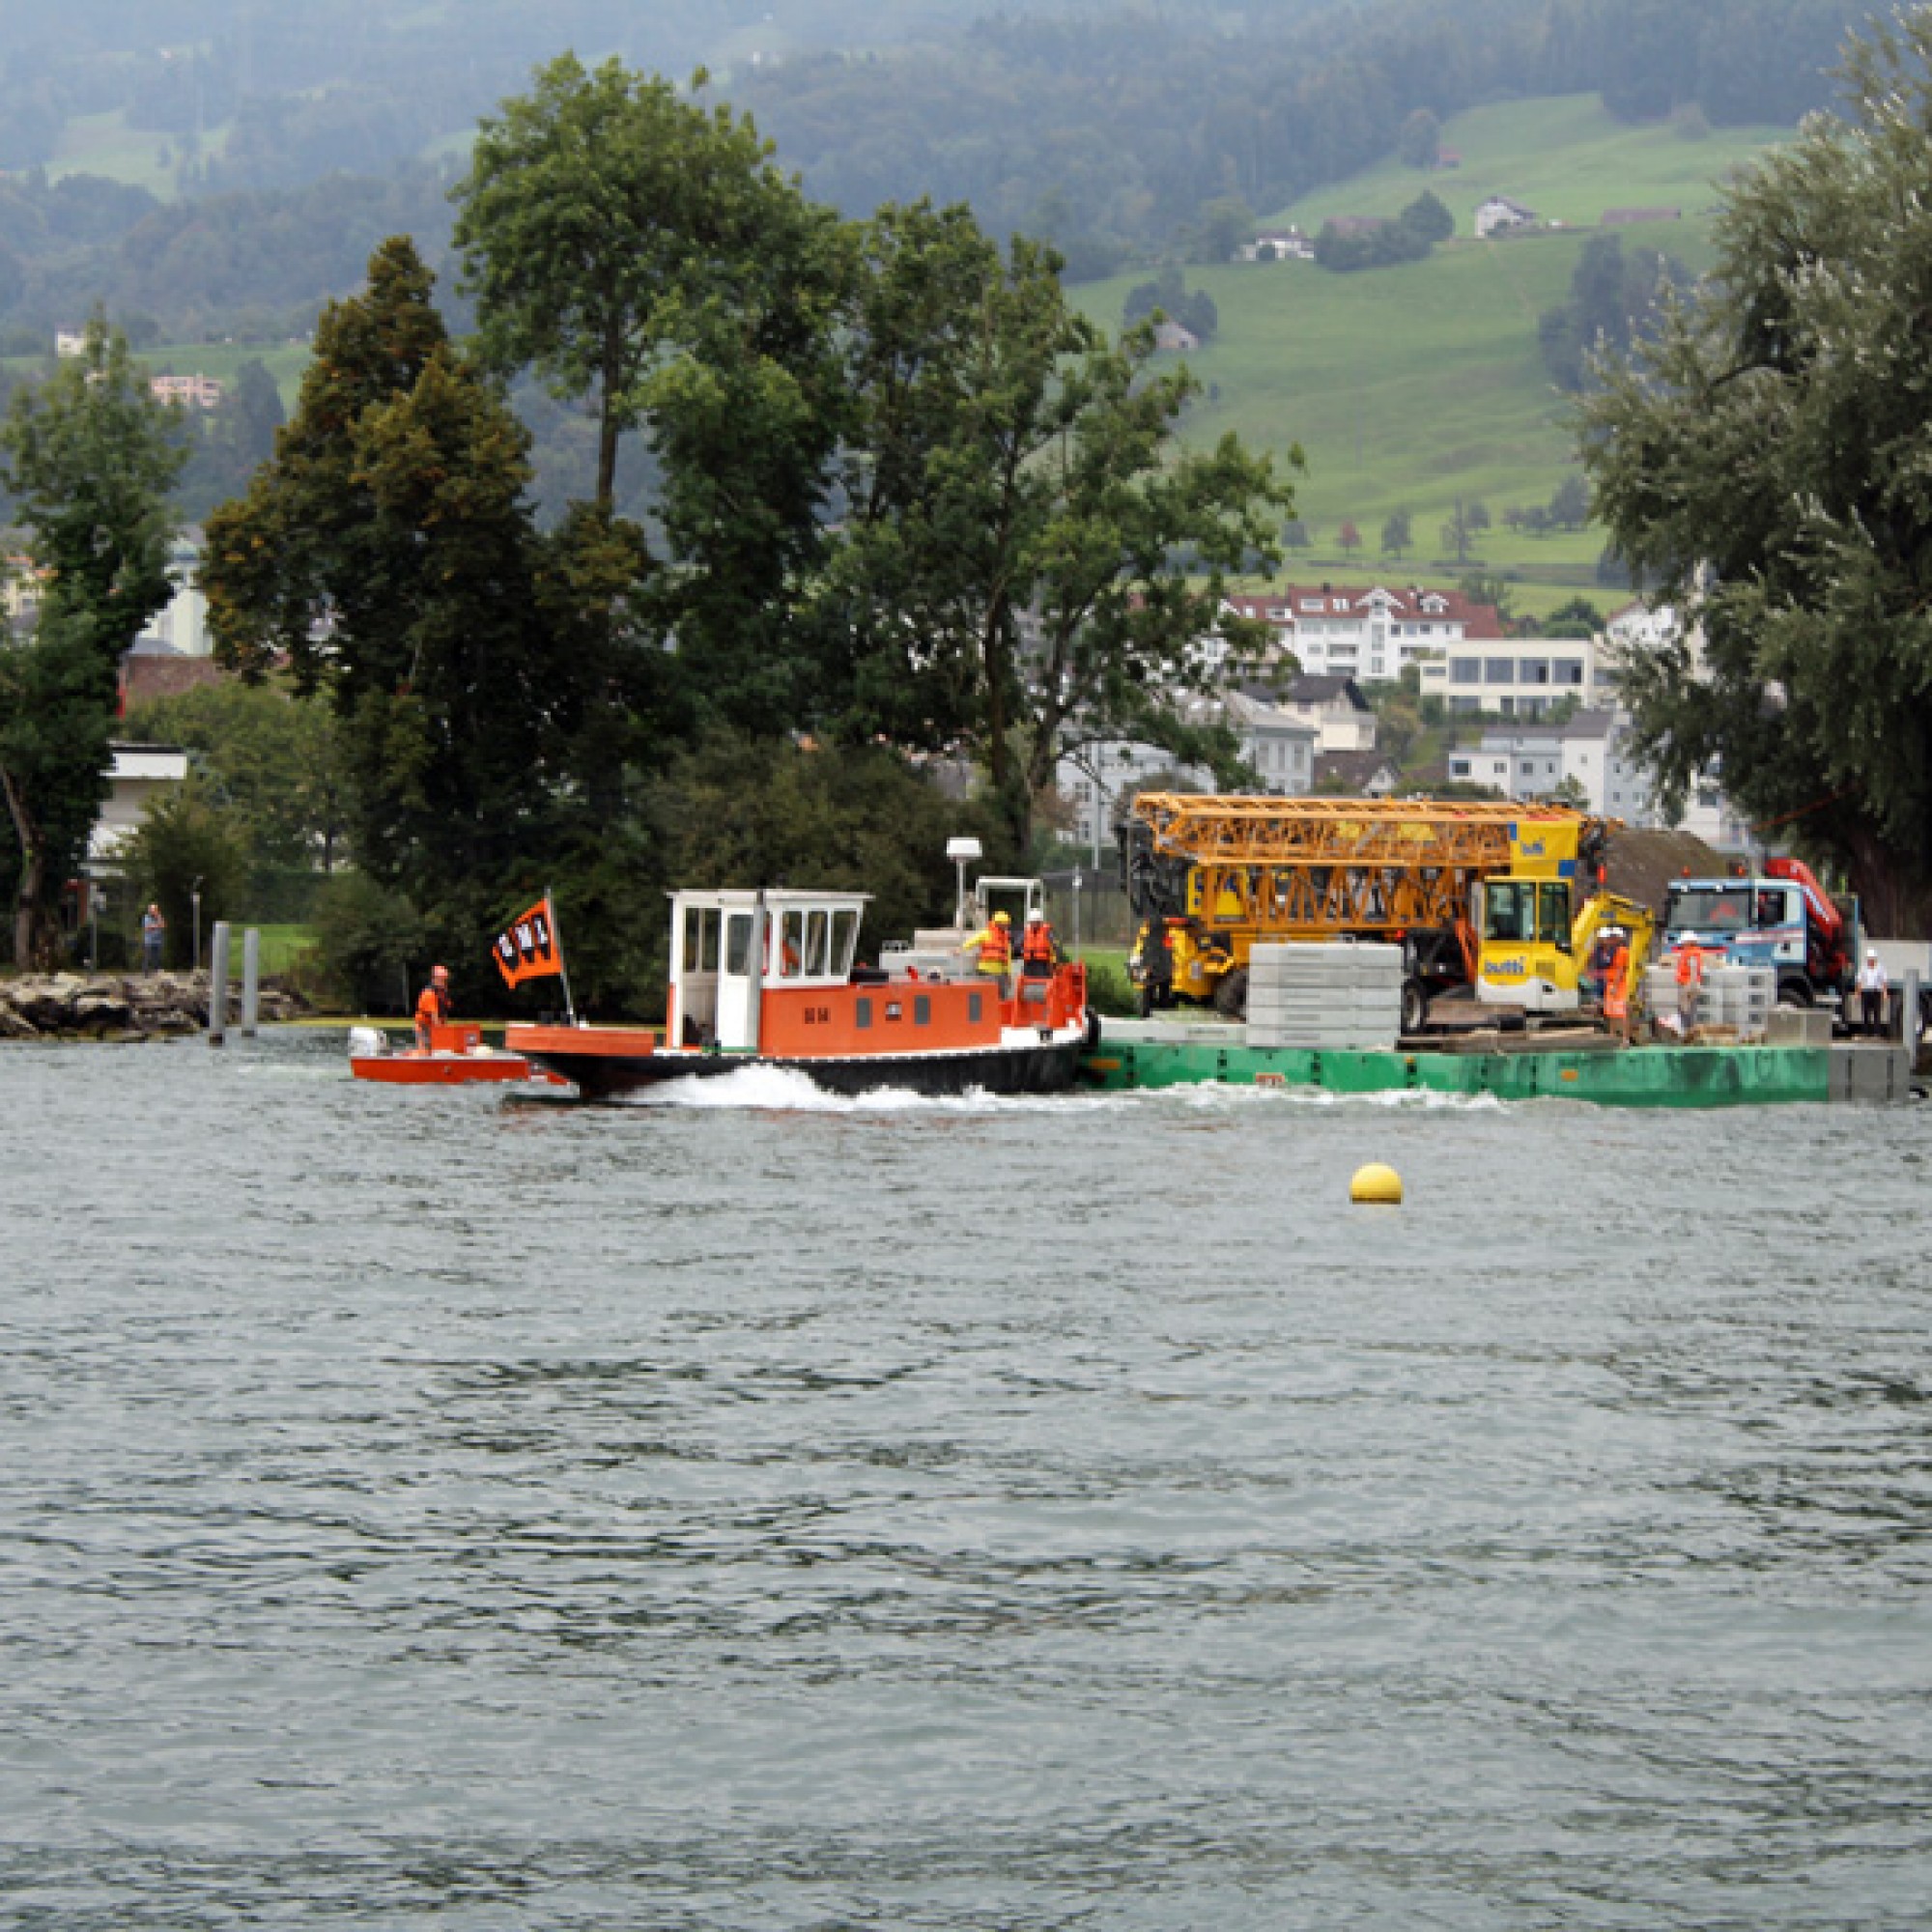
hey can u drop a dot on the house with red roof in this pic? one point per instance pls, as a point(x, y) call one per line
point(1371, 634)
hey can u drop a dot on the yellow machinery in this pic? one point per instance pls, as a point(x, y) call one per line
point(1541, 922)
point(1214, 876)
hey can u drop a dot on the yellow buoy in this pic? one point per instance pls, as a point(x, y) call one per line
point(1378, 1185)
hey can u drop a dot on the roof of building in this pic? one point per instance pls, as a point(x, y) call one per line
point(1413, 603)
point(1324, 688)
point(148, 674)
point(167, 763)
point(1259, 711)
point(1354, 771)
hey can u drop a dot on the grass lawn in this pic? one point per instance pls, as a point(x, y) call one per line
point(1564, 156)
point(1408, 386)
point(281, 947)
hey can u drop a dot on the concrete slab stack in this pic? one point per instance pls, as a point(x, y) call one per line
point(1741, 998)
point(1327, 996)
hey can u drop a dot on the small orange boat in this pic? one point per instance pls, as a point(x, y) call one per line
point(456, 1055)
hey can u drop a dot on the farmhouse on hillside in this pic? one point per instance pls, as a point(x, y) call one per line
point(1500, 216)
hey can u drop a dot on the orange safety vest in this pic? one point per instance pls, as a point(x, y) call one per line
point(1689, 966)
point(1036, 947)
point(433, 1009)
point(996, 949)
point(1616, 985)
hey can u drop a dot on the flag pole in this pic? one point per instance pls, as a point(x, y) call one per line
point(562, 972)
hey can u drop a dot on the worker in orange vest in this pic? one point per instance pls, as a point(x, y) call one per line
point(994, 944)
point(1616, 985)
point(433, 1008)
point(1689, 982)
point(1036, 949)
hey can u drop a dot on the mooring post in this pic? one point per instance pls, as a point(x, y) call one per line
point(251, 980)
point(217, 983)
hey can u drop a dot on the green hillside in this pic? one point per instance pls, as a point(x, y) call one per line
point(1408, 386)
point(1564, 157)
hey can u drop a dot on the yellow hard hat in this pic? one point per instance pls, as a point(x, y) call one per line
point(1000, 918)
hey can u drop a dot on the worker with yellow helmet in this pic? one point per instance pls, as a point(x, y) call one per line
point(994, 944)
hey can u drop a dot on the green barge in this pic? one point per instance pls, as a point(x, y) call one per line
point(1133, 1055)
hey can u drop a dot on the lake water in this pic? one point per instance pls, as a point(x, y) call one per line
point(758, 1511)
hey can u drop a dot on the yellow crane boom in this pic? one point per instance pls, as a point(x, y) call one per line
point(1239, 870)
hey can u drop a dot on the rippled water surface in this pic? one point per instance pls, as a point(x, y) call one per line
point(753, 1511)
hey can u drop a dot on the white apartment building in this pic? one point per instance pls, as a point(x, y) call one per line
point(1371, 635)
point(1518, 677)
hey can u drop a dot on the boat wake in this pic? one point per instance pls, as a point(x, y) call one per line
point(785, 1090)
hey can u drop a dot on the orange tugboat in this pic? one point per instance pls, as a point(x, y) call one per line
point(769, 979)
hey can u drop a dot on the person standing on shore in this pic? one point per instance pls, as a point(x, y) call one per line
point(153, 936)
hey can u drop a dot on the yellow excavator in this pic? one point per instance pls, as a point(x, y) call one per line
point(1538, 926)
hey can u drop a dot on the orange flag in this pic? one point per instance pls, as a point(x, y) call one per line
point(528, 949)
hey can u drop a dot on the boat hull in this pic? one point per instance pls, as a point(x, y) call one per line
point(440, 1069)
point(604, 1064)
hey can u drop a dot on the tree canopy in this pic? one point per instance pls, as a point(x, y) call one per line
point(89, 456)
point(1767, 462)
point(1029, 559)
point(479, 672)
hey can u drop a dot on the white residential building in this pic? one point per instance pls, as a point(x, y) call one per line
point(1518, 677)
point(1371, 635)
point(1499, 215)
point(180, 625)
point(136, 774)
point(1334, 708)
point(1276, 742)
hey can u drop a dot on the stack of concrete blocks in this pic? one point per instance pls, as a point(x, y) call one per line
point(1338, 995)
point(1738, 998)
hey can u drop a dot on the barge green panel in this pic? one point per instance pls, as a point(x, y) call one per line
point(1726, 1076)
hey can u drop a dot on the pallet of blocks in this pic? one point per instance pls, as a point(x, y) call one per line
point(1325, 995)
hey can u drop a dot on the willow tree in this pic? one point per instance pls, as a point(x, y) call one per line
point(90, 458)
point(1767, 463)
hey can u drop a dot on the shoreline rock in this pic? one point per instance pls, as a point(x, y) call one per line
point(120, 1007)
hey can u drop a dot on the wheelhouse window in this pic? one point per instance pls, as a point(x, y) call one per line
point(844, 941)
point(701, 938)
point(791, 945)
point(738, 943)
point(817, 928)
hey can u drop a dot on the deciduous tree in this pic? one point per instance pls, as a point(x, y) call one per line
point(89, 456)
point(1767, 463)
point(1029, 556)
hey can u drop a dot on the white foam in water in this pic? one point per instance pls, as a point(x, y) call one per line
point(784, 1090)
